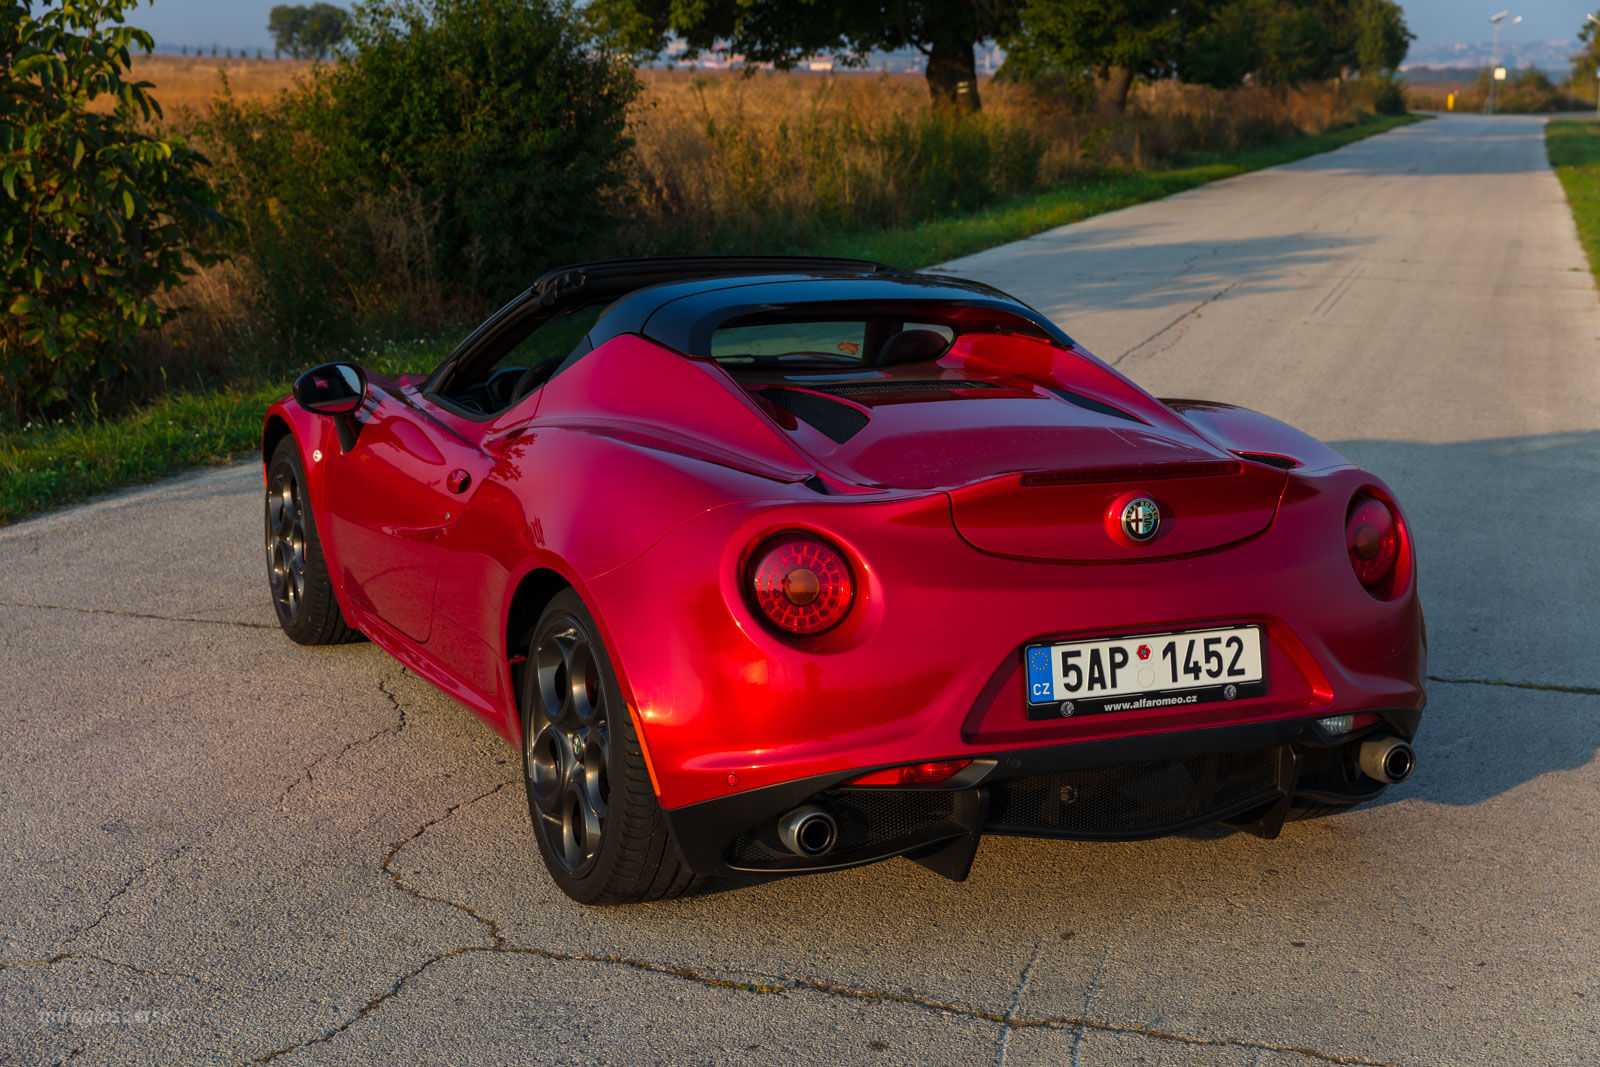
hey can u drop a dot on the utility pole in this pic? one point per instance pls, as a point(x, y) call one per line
point(1494, 54)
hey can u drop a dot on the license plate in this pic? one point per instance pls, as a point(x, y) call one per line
point(1153, 671)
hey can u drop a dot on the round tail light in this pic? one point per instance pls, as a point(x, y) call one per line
point(801, 584)
point(1373, 538)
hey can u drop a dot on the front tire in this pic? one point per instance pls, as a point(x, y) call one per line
point(297, 574)
point(601, 832)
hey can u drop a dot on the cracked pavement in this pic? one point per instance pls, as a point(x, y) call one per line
point(221, 847)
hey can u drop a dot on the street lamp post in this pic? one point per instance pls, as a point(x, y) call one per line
point(1494, 54)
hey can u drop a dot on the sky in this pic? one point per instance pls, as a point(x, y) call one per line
point(243, 23)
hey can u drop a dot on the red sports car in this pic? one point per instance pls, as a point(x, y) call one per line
point(778, 565)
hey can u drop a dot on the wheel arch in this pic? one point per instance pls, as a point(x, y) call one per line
point(533, 593)
point(274, 430)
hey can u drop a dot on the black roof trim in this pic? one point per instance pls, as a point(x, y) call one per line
point(683, 316)
point(690, 295)
point(589, 283)
point(604, 281)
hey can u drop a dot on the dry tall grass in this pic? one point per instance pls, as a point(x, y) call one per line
point(187, 85)
point(723, 152)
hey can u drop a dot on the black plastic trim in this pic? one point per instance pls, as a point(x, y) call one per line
point(702, 832)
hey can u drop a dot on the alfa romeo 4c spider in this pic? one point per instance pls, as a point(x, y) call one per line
point(777, 565)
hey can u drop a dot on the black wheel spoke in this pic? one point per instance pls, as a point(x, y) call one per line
point(286, 544)
point(567, 757)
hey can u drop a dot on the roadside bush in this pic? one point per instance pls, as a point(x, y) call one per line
point(1379, 95)
point(1526, 92)
point(452, 151)
point(97, 218)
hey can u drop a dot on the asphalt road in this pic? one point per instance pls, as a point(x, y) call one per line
point(216, 846)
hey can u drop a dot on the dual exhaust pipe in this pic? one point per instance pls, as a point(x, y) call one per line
point(1388, 759)
point(808, 831)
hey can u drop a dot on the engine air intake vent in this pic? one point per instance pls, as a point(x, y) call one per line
point(1271, 459)
point(839, 422)
point(1091, 404)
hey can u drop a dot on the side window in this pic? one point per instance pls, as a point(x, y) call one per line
point(554, 340)
point(524, 366)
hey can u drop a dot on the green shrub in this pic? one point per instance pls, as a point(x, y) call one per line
point(453, 150)
point(1525, 92)
point(1381, 95)
point(96, 218)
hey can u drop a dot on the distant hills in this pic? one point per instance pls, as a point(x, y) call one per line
point(1549, 56)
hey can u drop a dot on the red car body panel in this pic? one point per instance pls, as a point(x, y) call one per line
point(644, 479)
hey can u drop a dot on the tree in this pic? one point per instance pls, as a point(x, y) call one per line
point(1112, 40)
point(308, 32)
point(474, 141)
point(1285, 42)
point(783, 32)
point(1586, 61)
point(1382, 37)
point(96, 216)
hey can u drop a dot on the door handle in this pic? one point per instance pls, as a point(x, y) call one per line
point(458, 481)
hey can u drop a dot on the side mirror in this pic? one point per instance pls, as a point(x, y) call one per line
point(331, 389)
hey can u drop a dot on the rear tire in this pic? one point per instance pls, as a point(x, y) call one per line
point(297, 574)
point(600, 830)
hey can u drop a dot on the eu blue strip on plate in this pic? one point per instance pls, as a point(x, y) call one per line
point(1041, 680)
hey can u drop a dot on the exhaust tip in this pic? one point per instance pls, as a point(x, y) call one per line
point(808, 831)
point(1388, 759)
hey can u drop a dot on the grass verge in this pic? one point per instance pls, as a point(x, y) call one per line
point(1024, 216)
point(1574, 149)
point(48, 466)
point(43, 467)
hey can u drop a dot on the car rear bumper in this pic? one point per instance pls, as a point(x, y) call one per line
point(930, 665)
point(1117, 789)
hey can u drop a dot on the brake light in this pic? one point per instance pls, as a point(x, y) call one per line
point(1373, 539)
point(914, 774)
point(802, 585)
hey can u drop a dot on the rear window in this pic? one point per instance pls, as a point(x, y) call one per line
point(831, 340)
point(834, 342)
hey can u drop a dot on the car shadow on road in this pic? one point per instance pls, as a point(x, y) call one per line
point(1508, 563)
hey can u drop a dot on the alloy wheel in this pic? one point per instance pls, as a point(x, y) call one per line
point(286, 542)
point(567, 745)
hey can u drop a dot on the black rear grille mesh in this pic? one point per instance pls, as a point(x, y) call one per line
point(1134, 799)
point(839, 422)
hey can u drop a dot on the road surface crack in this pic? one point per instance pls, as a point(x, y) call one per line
point(137, 615)
point(402, 721)
point(132, 880)
point(67, 957)
point(1016, 1002)
point(764, 984)
point(105, 913)
point(1088, 1006)
point(1542, 687)
point(1181, 319)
